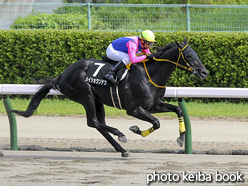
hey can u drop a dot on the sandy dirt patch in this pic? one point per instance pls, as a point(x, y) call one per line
point(109, 168)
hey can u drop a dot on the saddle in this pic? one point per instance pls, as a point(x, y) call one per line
point(106, 59)
point(99, 69)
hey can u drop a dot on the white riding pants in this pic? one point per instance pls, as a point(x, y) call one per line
point(117, 55)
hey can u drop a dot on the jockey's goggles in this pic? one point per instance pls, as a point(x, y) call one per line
point(149, 43)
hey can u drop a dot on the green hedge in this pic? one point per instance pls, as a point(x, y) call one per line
point(57, 21)
point(28, 55)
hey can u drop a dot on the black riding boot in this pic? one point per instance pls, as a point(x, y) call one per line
point(111, 74)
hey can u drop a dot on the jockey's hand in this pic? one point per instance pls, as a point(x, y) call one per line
point(149, 56)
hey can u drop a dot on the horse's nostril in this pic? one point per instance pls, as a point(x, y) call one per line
point(204, 73)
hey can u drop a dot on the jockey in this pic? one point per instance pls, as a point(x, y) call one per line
point(124, 51)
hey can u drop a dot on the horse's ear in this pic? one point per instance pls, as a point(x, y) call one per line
point(185, 41)
point(179, 44)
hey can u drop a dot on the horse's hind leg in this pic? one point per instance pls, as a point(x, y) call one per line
point(92, 121)
point(81, 92)
point(117, 147)
point(94, 109)
point(100, 113)
point(91, 108)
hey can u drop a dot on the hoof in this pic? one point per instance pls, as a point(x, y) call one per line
point(134, 129)
point(125, 154)
point(122, 139)
point(180, 142)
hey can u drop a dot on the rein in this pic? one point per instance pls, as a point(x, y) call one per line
point(176, 63)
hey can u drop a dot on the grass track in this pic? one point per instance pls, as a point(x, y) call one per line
point(58, 107)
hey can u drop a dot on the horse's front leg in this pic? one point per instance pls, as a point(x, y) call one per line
point(166, 107)
point(144, 115)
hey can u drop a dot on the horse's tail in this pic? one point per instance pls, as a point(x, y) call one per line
point(38, 96)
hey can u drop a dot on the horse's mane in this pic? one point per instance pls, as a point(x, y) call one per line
point(161, 50)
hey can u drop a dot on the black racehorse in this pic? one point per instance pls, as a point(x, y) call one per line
point(140, 93)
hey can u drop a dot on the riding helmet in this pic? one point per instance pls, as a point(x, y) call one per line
point(147, 35)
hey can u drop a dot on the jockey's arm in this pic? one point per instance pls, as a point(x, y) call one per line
point(132, 53)
point(146, 51)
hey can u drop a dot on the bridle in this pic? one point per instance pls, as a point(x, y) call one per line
point(176, 63)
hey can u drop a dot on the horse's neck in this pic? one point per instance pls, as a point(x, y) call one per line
point(160, 71)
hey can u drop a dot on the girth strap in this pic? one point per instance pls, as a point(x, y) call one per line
point(115, 97)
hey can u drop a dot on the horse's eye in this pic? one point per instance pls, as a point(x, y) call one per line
point(188, 56)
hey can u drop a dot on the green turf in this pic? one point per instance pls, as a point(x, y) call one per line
point(58, 107)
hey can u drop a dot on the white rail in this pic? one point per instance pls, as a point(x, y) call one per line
point(29, 89)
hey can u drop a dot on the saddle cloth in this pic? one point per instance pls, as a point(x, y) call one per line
point(99, 69)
